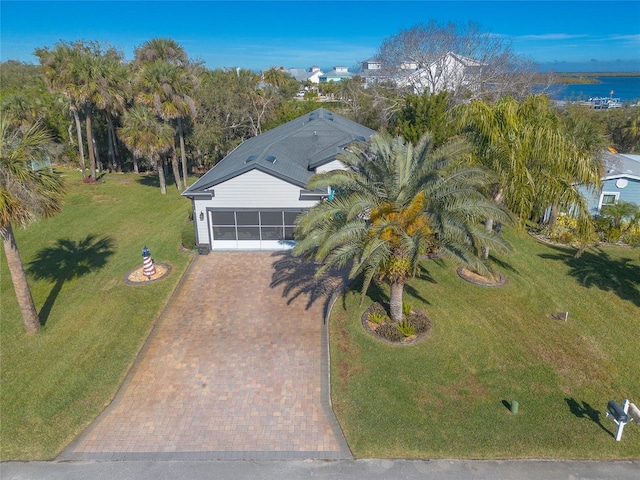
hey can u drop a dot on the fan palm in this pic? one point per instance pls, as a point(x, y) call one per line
point(167, 89)
point(394, 204)
point(147, 137)
point(26, 193)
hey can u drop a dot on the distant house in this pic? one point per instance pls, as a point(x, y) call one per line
point(303, 75)
point(250, 199)
point(336, 75)
point(621, 181)
point(373, 71)
point(449, 72)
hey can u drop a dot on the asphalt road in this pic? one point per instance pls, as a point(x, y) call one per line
point(376, 469)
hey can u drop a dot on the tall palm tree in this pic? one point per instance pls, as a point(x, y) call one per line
point(167, 89)
point(535, 161)
point(59, 66)
point(394, 204)
point(114, 90)
point(26, 193)
point(147, 137)
point(164, 49)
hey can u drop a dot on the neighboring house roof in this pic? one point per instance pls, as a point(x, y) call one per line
point(291, 151)
point(337, 74)
point(620, 165)
point(302, 74)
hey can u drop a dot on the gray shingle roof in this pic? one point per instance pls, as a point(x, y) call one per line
point(617, 164)
point(290, 151)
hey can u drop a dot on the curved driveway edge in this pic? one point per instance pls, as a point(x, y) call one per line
point(235, 368)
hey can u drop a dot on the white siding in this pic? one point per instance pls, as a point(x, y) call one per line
point(253, 189)
point(334, 165)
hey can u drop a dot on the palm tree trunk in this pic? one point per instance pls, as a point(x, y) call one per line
point(553, 216)
point(90, 146)
point(112, 146)
point(176, 169)
point(19, 279)
point(76, 117)
point(183, 154)
point(488, 224)
point(163, 181)
point(395, 302)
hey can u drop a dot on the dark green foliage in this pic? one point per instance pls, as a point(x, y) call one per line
point(390, 331)
point(425, 113)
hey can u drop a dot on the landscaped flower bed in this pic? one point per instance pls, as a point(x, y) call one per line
point(414, 326)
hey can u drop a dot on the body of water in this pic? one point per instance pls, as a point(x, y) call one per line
point(627, 89)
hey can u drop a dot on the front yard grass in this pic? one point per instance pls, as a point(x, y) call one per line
point(55, 382)
point(449, 396)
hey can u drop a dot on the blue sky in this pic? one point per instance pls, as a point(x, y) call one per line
point(569, 36)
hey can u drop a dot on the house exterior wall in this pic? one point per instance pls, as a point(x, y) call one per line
point(253, 189)
point(334, 165)
point(616, 187)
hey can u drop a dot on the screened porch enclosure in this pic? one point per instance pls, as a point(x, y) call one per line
point(252, 228)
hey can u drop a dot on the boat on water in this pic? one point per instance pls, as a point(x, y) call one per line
point(602, 103)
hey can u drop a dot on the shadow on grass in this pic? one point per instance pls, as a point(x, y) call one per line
point(585, 410)
point(67, 260)
point(502, 264)
point(298, 276)
point(152, 180)
point(595, 268)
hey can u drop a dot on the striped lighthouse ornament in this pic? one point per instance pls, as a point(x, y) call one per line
point(147, 263)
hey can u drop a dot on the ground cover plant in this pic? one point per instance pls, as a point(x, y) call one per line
point(56, 381)
point(449, 395)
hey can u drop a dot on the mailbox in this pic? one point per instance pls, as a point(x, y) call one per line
point(617, 412)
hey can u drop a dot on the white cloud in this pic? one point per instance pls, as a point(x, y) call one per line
point(552, 36)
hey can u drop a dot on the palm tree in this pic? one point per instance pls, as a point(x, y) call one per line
point(394, 204)
point(167, 89)
point(164, 49)
point(535, 161)
point(276, 76)
point(59, 67)
point(26, 193)
point(144, 135)
point(113, 92)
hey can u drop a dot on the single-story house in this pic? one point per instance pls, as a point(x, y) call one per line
point(336, 75)
point(302, 75)
point(620, 182)
point(250, 199)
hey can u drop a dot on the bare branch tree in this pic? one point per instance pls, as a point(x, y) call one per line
point(459, 58)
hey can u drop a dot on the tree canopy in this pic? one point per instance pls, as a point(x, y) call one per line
point(394, 204)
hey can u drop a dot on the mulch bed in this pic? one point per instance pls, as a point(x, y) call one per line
point(371, 327)
point(137, 276)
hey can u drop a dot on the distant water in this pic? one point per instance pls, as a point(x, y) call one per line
point(627, 89)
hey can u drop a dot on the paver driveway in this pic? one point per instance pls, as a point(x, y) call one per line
point(232, 370)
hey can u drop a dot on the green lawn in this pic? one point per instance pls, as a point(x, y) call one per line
point(54, 383)
point(441, 398)
point(449, 395)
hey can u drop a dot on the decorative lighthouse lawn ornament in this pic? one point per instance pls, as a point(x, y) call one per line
point(147, 263)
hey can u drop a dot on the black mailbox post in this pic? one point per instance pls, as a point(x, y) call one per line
point(617, 412)
point(619, 415)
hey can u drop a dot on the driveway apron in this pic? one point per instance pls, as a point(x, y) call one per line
point(236, 368)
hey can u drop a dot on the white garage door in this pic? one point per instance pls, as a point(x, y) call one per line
point(253, 229)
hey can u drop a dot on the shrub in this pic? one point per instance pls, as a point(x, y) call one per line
point(188, 236)
point(406, 308)
point(406, 328)
point(377, 317)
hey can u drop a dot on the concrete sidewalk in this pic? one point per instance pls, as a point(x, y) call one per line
point(316, 469)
